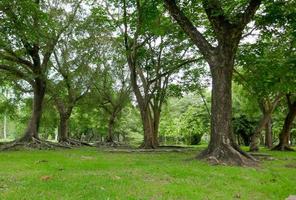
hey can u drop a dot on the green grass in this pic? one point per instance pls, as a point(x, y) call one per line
point(92, 174)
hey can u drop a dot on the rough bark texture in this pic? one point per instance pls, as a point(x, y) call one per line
point(284, 136)
point(222, 148)
point(33, 126)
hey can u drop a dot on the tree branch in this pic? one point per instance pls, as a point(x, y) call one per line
point(199, 40)
point(173, 69)
point(16, 73)
point(247, 15)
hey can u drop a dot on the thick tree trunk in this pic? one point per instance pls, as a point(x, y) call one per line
point(33, 126)
point(222, 147)
point(63, 133)
point(221, 108)
point(286, 130)
point(268, 134)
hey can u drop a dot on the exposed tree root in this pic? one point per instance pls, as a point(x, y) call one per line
point(282, 148)
point(33, 143)
point(148, 146)
point(227, 155)
point(74, 143)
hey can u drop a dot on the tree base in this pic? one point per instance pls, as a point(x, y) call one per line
point(226, 154)
point(74, 143)
point(30, 143)
point(282, 148)
point(148, 146)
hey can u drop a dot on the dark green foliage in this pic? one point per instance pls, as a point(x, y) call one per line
point(243, 127)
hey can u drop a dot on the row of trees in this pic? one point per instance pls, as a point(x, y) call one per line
point(97, 53)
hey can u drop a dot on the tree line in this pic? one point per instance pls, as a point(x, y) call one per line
point(110, 55)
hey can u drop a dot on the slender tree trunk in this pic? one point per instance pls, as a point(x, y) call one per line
point(286, 130)
point(33, 126)
point(110, 136)
point(5, 126)
point(150, 142)
point(156, 121)
point(268, 134)
point(254, 146)
point(266, 117)
point(63, 134)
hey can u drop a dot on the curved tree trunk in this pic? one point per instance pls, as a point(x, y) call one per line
point(33, 126)
point(267, 111)
point(254, 145)
point(286, 130)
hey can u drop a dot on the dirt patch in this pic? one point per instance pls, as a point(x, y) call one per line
point(290, 165)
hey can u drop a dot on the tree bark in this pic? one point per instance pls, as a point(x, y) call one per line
point(267, 111)
point(286, 130)
point(268, 134)
point(150, 134)
point(33, 126)
point(5, 126)
point(63, 134)
point(110, 136)
point(222, 147)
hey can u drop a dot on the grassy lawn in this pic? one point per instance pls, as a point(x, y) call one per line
point(89, 173)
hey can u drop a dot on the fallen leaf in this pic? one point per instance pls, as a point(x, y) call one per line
point(45, 178)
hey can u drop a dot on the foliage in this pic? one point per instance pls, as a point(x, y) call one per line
point(184, 120)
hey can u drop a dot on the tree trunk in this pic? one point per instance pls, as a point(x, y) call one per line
point(286, 130)
point(268, 134)
point(110, 136)
point(5, 126)
point(156, 121)
point(33, 126)
point(254, 146)
point(150, 141)
point(63, 134)
point(222, 147)
point(267, 111)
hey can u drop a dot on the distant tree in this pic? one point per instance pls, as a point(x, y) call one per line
point(153, 56)
point(112, 91)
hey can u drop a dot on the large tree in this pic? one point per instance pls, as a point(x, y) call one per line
point(227, 23)
point(29, 32)
point(153, 56)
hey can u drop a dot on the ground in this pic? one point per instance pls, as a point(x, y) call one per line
point(89, 173)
